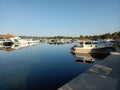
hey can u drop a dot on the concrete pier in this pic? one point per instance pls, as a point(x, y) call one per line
point(105, 75)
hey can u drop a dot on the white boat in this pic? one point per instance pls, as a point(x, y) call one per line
point(15, 41)
point(30, 41)
point(90, 47)
point(7, 42)
point(22, 41)
point(111, 44)
point(108, 43)
point(2, 41)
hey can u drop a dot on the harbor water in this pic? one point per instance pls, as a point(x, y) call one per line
point(40, 67)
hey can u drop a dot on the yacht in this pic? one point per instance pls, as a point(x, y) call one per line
point(2, 41)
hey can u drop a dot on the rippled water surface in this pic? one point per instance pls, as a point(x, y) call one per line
point(39, 67)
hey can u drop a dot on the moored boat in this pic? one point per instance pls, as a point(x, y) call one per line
point(90, 47)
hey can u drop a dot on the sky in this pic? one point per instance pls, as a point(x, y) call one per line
point(59, 17)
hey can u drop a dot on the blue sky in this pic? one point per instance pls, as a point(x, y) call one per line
point(59, 17)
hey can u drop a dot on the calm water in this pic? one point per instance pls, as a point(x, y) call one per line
point(40, 67)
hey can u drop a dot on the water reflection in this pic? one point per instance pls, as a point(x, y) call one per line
point(88, 58)
point(57, 43)
point(9, 48)
point(42, 67)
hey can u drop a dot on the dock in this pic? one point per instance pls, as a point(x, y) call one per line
point(104, 75)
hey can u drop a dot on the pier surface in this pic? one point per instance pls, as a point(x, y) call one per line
point(105, 75)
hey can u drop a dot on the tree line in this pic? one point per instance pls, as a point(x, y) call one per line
point(115, 35)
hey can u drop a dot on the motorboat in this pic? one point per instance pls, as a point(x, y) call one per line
point(7, 42)
point(2, 41)
point(90, 47)
point(110, 44)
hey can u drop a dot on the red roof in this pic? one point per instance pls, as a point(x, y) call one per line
point(1, 37)
point(7, 36)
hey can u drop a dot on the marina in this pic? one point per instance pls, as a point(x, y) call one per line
point(39, 67)
point(59, 45)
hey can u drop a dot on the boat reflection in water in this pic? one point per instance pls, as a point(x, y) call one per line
point(9, 48)
point(87, 57)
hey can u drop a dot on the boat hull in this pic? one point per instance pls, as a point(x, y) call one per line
point(88, 50)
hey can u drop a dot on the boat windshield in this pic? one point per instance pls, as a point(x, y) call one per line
point(88, 42)
point(95, 42)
